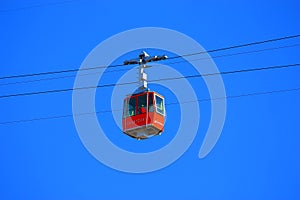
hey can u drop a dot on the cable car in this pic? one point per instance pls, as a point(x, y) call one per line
point(144, 111)
point(143, 115)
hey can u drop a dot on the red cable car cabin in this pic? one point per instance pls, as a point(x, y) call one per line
point(143, 115)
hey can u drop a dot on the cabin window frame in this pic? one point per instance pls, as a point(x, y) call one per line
point(128, 111)
point(160, 109)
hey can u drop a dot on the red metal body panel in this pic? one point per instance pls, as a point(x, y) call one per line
point(150, 118)
point(145, 122)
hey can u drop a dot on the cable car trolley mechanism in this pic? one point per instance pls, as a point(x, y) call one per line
point(144, 111)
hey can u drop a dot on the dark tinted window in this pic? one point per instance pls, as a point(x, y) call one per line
point(142, 104)
point(132, 107)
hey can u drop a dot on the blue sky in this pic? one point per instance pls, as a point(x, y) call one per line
point(257, 155)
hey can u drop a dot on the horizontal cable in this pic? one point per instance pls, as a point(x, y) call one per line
point(236, 46)
point(169, 104)
point(58, 72)
point(156, 80)
point(226, 72)
point(168, 63)
point(180, 56)
point(60, 77)
point(231, 54)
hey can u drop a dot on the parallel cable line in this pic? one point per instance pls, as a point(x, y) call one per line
point(226, 72)
point(232, 54)
point(58, 72)
point(60, 77)
point(180, 56)
point(177, 62)
point(157, 80)
point(239, 96)
point(169, 104)
point(237, 46)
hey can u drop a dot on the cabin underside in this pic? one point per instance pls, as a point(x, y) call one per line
point(143, 132)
